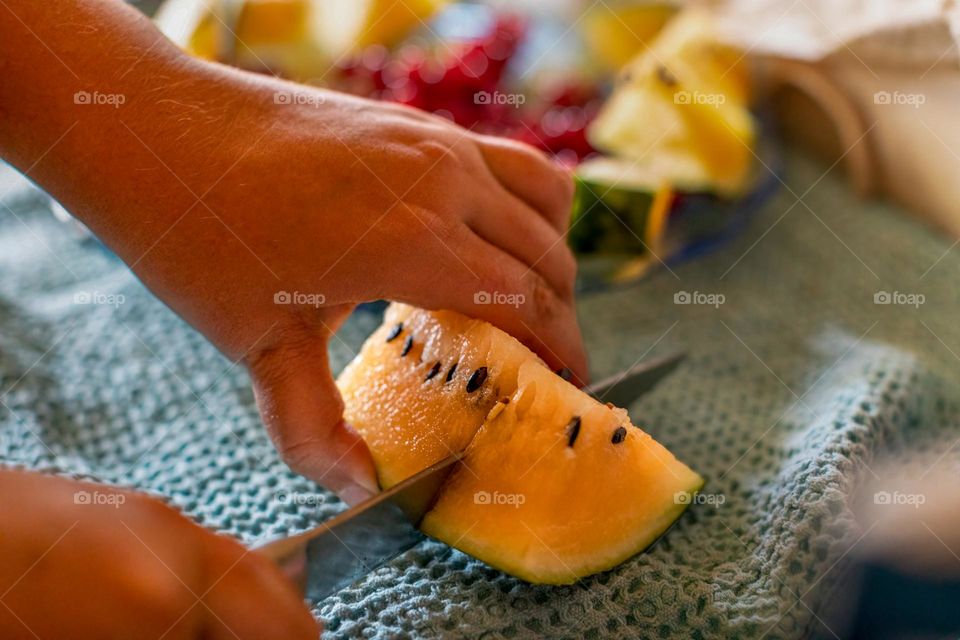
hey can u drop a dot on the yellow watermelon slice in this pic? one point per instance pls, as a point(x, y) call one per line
point(554, 485)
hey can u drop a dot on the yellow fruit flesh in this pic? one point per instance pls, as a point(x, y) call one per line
point(530, 504)
point(681, 110)
point(410, 422)
point(616, 34)
point(584, 508)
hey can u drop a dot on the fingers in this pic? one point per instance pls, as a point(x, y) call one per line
point(512, 226)
point(526, 308)
point(248, 597)
point(532, 177)
point(303, 411)
point(541, 319)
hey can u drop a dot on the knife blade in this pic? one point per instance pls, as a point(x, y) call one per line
point(333, 555)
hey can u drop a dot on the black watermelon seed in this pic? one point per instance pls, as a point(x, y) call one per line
point(433, 371)
point(619, 435)
point(477, 379)
point(573, 430)
point(450, 373)
point(565, 373)
point(407, 345)
point(395, 332)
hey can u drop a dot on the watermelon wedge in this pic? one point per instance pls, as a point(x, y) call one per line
point(554, 485)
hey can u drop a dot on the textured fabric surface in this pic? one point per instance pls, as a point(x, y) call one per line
point(796, 385)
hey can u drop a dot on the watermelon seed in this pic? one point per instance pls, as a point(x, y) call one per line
point(407, 346)
point(450, 373)
point(619, 435)
point(565, 373)
point(433, 371)
point(573, 430)
point(477, 379)
point(395, 332)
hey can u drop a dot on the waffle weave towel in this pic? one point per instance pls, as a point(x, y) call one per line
point(796, 385)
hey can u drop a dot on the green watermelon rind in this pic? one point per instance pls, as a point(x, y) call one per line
point(608, 219)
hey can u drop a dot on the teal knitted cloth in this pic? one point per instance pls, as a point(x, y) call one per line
point(795, 385)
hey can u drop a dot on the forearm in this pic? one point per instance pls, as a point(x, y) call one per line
point(53, 52)
point(97, 106)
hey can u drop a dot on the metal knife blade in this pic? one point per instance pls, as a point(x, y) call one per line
point(335, 554)
point(621, 389)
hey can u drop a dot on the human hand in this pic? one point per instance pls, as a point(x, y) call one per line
point(263, 211)
point(90, 561)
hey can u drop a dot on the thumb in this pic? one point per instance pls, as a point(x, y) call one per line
point(303, 412)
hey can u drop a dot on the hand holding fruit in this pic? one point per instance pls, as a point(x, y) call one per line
point(263, 211)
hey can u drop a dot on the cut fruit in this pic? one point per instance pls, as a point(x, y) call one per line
point(559, 486)
point(619, 207)
point(615, 34)
point(297, 39)
point(681, 108)
point(554, 485)
point(350, 25)
point(412, 412)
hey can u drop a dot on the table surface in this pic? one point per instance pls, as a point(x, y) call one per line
point(796, 388)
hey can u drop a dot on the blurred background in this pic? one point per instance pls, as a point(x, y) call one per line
point(674, 117)
point(666, 109)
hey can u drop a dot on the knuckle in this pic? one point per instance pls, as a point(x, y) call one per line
point(437, 153)
point(543, 300)
point(304, 454)
point(270, 365)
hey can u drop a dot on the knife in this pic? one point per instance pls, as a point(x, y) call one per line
point(336, 553)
